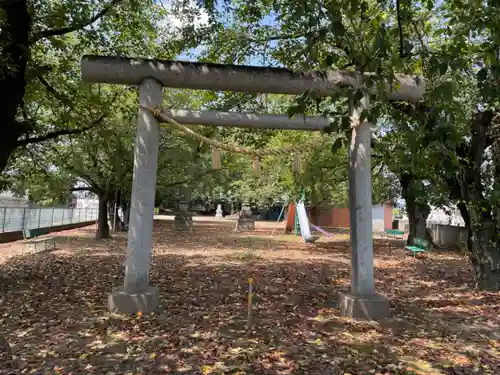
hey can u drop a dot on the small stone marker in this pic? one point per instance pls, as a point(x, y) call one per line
point(245, 219)
point(183, 220)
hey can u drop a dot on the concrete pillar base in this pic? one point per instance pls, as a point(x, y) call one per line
point(366, 307)
point(133, 302)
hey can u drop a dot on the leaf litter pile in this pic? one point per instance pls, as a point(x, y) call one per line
point(53, 309)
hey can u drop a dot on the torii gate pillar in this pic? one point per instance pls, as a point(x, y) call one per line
point(362, 301)
point(137, 295)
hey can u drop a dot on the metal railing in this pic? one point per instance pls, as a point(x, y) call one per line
point(16, 219)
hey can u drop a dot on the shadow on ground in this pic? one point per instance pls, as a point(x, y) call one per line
point(53, 310)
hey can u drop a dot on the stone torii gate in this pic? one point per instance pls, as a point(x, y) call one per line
point(152, 75)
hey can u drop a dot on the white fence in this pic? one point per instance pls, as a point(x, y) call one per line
point(448, 235)
point(15, 219)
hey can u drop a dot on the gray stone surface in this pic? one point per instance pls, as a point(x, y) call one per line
point(362, 302)
point(368, 307)
point(140, 231)
point(261, 79)
point(246, 221)
point(246, 211)
point(144, 301)
point(360, 204)
point(247, 120)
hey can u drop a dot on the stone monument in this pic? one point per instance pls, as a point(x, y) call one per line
point(245, 219)
point(183, 220)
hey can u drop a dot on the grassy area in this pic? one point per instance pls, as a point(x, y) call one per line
point(53, 309)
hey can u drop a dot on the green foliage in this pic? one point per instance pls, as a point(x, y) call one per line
point(445, 148)
point(95, 123)
point(99, 159)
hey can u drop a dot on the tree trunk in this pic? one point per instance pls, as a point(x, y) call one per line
point(417, 212)
point(14, 44)
point(102, 221)
point(477, 210)
point(464, 211)
point(121, 203)
point(120, 225)
point(114, 216)
point(483, 246)
point(417, 219)
point(111, 213)
point(486, 253)
point(125, 206)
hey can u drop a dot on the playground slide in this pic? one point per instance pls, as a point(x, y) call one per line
point(290, 218)
point(319, 229)
point(305, 231)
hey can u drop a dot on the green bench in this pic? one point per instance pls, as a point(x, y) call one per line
point(393, 234)
point(35, 232)
point(419, 246)
point(35, 243)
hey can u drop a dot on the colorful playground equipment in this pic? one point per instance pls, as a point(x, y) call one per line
point(321, 230)
point(303, 221)
point(298, 222)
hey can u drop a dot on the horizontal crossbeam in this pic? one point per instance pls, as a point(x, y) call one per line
point(247, 120)
point(239, 78)
point(311, 143)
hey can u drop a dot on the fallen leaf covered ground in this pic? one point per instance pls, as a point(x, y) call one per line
point(53, 309)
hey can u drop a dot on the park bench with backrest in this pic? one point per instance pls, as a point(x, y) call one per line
point(393, 234)
point(35, 243)
point(419, 246)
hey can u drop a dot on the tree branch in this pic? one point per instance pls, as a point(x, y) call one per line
point(375, 165)
point(419, 36)
point(401, 43)
point(322, 31)
point(276, 37)
point(189, 180)
point(81, 174)
point(76, 26)
point(54, 92)
point(65, 100)
point(84, 188)
point(58, 133)
point(61, 132)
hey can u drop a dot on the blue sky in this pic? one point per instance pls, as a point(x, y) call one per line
point(191, 55)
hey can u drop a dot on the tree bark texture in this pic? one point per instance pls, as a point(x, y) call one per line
point(477, 210)
point(102, 221)
point(14, 46)
point(417, 212)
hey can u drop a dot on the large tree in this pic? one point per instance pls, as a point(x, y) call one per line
point(451, 43)
point(98, 160)
point(37, 36)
